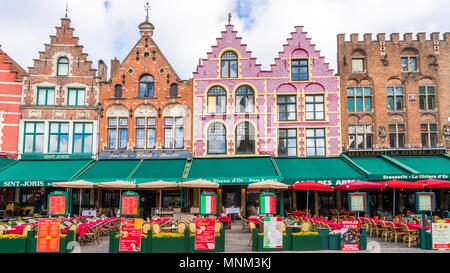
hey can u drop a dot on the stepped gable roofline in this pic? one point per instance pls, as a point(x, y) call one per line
point(393, 37)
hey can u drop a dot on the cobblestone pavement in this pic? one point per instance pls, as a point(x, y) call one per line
point(238, 241)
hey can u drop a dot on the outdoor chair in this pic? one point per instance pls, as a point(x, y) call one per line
point(181, 227)
point(251, 226)
point(217, 227)
point(91, 235)
point(410, 235)
point(28, 227)
point(384, 230)
point(146, 227)
point(156, 228)
point(2, 228)
point(305, 226)
point(244, 223)
point(283, 227)
point(191, 227)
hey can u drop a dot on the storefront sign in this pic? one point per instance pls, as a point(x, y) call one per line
point(440, 235)
point(54, 156)
point(144, 155)
point(273, 232)
point(129, 204)
point(57, 203)
point(23, 184)
point(405, 152)
point(350, 235)
point(425, 202)
point(208, 203)
point(241, 180)
point(267, 203)
point(409, 177)
point(205, 233)
point(358, 202)
point(48, 235)
point(130, 235)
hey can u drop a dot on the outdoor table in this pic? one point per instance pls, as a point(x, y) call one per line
point(89, 212)
point(298, 213)
point(169, 228)
point(225, 219)
point(160, 220)
point(232, 211)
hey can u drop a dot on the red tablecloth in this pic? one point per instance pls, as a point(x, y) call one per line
point(160, 220)
point(297, 213)
point(255, 220)
point(225, 219)
point(398, 224)
point(17, 229)
point(83, 228)
point(332, 224)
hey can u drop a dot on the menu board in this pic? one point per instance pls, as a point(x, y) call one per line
point(350, 235)
point(57, 205)
point(48, 235)
point(130, 235)
point(273, 232)
point(357, 202)
point(129, 205)
point(205, 233)
point(440, 235)
point(425, 202)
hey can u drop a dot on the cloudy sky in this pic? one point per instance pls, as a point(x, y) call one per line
point(186, 29)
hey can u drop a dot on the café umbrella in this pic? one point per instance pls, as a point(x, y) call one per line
point(434, 183)
point(268, 184)
point(199, 183)
point(309, 185)
point(160, 185)
point(76, 184)
point(399, 184)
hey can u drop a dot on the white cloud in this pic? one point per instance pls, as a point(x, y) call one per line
point(186, 30)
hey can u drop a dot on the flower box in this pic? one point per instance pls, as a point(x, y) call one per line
point(334, 242)
point(167, 245)
point(306, 242)
point(13, 245)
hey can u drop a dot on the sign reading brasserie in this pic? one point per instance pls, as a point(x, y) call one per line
point(440, 234)
point(273, 232)
point(406, 152)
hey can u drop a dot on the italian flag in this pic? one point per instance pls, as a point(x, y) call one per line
point(208, 204)
point(268, 205)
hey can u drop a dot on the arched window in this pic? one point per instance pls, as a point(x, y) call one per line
point(118, 91)
point(174, 90)
point(217, 139)
point(245, 99)
point(229, 65)
point(217, 100)
point(146, 86)
point(245, 138)
point(63, 67)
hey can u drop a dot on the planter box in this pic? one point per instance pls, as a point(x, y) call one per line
point(308, 242)
point(167, 245)
point(13, 245)
point(63, 243)
point(334, 242)
point(114, 245)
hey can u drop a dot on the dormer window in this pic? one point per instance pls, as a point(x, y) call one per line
point(299, 70)
point(146, 86)
point(229, 65)
point(409, 64)
point(63, 67)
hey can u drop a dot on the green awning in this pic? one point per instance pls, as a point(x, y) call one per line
point(170, 170)
point(233, 170)
point(40, 173)
point(329, 171)
point(437, 167)
point(109, 171)
point(379, 168)
point(5, 162)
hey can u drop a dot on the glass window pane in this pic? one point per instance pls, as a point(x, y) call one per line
point(390, 103)
point(150, 138)
point(53, 144)
point(29, 128)
point(87, 144)
point(140, 121)
point(399, 90)
point(50, 96)
point(151, 121)
point(122, 138)
point(179, 138)
point(310, 132)
point(350, 105)
point(64, 128)
point(112, 136)
point(77, 143)
point(292, 133)
point(359, 106)
point(390, 91)
point(367, 91)
point(81, 97)
point(430, 102)
point(168, 138)
point(42, 93)
point(309, 116)
point(88, 128)
point(352, 129)
point(168, 121)
point(112, 121)
point(64, 143)
point(320, 116)
point(123, 121)
point(54, 127)
point(29, 144)
point(224, 69)
point(350, 91)
point(179, 121)
point(140, 138)
point(78, 128)
point(40, 128)
point(39, 145)
point(359, 91)
point(367, 106)
point(72, 97)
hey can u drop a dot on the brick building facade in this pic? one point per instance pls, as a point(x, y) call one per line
point(394, 92)
point(59, 99)
point(146, 107)
point(11, 75)
point(291, 110)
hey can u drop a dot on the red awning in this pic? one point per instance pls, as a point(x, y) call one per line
point(308, 185)
point(359, 185)
point(398, 184)
point(434, 183)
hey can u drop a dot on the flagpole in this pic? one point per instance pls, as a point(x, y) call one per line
point(307, 201)
point(79, 210)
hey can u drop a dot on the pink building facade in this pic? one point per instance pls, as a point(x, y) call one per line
point(292, 110)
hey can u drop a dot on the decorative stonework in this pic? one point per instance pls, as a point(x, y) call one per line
point(82, 114)
point(59, 114)
point(174, 110)
point(446, 133)
point(34, 113)
point(145, 111)
point(117, 111)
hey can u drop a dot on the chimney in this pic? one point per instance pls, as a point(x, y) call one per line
point(114, 66)
point(102, 71)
